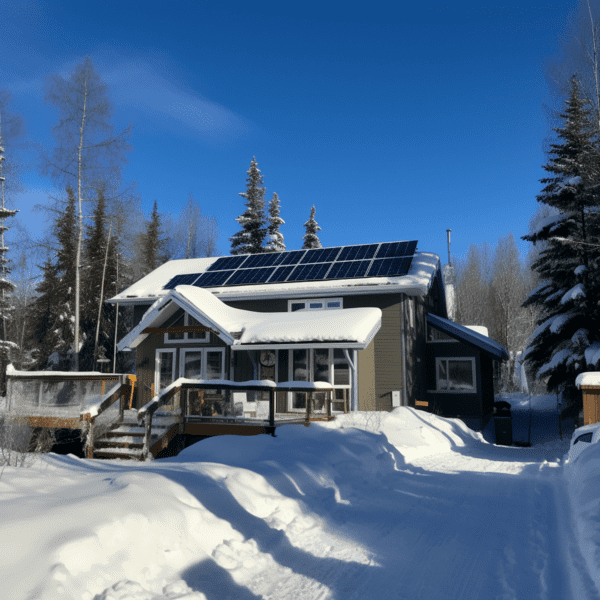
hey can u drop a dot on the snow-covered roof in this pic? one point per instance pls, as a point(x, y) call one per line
point(354, 327)
point(416, 282)
point(467, 334)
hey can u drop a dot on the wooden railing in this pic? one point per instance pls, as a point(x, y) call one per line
point(120, 393)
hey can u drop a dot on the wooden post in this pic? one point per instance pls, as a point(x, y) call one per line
point(147, 434)
point(308, 403)
point(328, 405)
point(90, 441)
point(272, 411)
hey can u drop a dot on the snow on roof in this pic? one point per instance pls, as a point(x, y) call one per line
point(480, 329)
point(416, 283)
point(352, 325)
point(587, 379)
point(469, 335)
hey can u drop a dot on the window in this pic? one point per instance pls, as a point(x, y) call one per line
point(319, 364)
point(183, 319)
point(455, 374)
point(164, 372)
point(202, 363)
point(316, 304)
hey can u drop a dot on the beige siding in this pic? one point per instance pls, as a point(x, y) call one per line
point(366, 378)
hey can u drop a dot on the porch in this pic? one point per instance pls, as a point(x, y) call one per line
point(99, 405)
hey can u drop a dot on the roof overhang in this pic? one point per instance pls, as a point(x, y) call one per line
point(464, 334)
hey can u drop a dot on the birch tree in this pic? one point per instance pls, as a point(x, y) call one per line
point(87, 153)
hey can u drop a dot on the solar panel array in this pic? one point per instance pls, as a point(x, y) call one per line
point(391, 259)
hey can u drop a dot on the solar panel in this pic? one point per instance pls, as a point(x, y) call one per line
point(226, 263)
point(187, 279)
point(213, 279)
point(281, 274)
point(358, 252)
point(349, 268)
point(248, 276)
point(320, 255)
point(389, 259)
point(390, 267)
point(314, 272)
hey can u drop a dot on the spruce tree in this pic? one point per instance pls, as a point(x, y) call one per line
point(275, 241)
point(250, 239)
point(153, 241)
point(567, 298)
point(311, 240)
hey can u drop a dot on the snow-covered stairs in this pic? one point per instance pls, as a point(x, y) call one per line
point(126, 440)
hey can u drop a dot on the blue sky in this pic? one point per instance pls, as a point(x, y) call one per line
point(397, 123)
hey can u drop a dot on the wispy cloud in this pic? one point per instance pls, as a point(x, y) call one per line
point(139, 85)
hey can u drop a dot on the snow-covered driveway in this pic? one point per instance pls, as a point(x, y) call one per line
point(403, 505)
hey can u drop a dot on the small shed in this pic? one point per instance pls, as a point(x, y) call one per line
point(459, 371)
point(589, 384)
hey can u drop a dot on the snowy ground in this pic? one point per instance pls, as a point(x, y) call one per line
point(371, 506)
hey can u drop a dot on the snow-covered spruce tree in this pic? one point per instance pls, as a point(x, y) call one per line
point(252, 235)
point(153, 242)
point(6, 286)
point(275, 241)
point(567, 298)
point(311, 240)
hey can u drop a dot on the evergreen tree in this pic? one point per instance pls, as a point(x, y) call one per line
point(97, 317)
point(153, 242)
point(46, 317)
point(275, 241)
point(311, 240)
point(567, 299)
point(250, 239)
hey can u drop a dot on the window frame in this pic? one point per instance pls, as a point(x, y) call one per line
point(204, 368)
point(470, 359)
point(311, 376)
point(157, 352)
point(185, 339)
point(323, 301)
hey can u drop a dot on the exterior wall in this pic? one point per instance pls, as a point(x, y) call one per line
point(367, 399)
point(145, 355)
point(380, 366)
point(455, 404)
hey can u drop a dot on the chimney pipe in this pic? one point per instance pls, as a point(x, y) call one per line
point(448, 232)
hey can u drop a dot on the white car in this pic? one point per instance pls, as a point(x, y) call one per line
point(582, 438)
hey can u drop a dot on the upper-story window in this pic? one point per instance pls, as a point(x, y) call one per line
point(183, 319)
point(315, 304)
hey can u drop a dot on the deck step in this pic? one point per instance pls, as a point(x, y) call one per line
point(131, 453)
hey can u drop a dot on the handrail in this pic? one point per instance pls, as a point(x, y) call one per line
point(148, 410)
point(119, 392)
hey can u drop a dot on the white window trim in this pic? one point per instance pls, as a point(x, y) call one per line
point(157, 353)
point(185, 339)
point(308, 301)
point(311, 374)
point(203, 368)
point(473, 390)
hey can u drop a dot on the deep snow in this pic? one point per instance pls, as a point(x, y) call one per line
point(371, 505)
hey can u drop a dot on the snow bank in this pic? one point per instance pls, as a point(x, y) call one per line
point(583, 477)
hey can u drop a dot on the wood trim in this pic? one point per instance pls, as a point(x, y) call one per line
point(181, 329)
point(421, 403)
point(54, 423)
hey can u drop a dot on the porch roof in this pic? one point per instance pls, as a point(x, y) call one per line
point(351, 328)
point(464, 334)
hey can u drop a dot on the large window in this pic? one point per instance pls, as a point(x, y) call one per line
point(320, 364)
point(455, 374)
point(202, 363)
point(315, 304)
point(164, 373)
point(183, 319)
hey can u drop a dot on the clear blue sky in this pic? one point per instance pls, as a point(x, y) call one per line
point(397, 123)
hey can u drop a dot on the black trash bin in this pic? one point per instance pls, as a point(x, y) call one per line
point(503, 423)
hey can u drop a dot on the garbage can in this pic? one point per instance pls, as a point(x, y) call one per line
point(503, 423)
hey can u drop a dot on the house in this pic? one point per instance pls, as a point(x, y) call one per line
point(357, 317)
